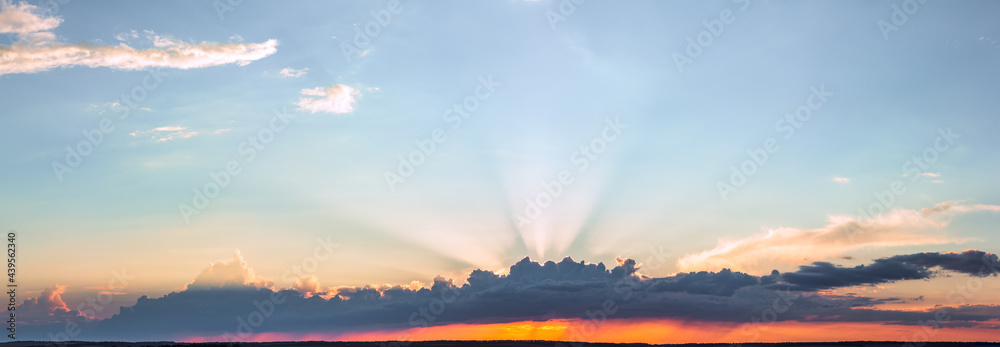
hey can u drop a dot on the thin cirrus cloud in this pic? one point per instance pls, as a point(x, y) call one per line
point(37, 48)
point(169, 133)
point(842, 180)
point(337, 98)
point(842, 234)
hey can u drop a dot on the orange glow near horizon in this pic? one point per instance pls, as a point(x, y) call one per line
point(654, 331)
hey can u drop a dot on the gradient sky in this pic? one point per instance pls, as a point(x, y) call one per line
point(601, 75)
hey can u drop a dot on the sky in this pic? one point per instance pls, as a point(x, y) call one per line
point(688, 171)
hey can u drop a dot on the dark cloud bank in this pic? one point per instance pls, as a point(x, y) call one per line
point(553, 290)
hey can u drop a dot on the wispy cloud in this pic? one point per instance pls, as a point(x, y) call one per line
point(842, 234)
point(930, 174)
point(105, 108)
point(332, 99)
point(842, 180)
point(168, 133)
point(37, 48)
point(293, 73)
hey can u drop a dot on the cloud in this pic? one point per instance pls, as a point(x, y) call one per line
point(24, 18)
point(225, 274)
point(824, 275)
point(722, 283)
point(930, 174)
point(952, 208)
point(308, 286)
point(332, 99)
point(47, 308)
point(168, 133)
point(108, 107)
point(536, 291)
point(842, 234)
point(970, 262)
point(841, 180)
point(293, 73)
point(531, 291)
point(37, 49)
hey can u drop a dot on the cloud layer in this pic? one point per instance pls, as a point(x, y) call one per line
point(824, 275)
point(37, 48)
point(226, 299)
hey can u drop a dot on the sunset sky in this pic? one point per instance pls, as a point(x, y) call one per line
point(717, 171)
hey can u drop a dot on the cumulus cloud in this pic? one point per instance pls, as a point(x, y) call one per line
point(842, 234)
point(37, 48)
point(226, 273)
point(332, 99)
point(532, 291)
point(308, 286)
point(293, 73)
point(47, 308)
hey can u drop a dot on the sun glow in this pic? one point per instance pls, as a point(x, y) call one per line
point(653, 331)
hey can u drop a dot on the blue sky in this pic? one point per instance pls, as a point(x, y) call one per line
point(557, 87)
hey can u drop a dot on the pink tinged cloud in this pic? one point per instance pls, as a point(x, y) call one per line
point(792, 246)
point(38, 50)
point(47, 308)
point(332, 99)
point(168, 133)
point(24, 18)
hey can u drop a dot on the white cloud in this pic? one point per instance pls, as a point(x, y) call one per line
point(841, 179)
point(930, 174)
point(24, 18)
point(168, 133)
point(293, 73)
point(332, 99)
point(37, 49)
point(842, 234)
